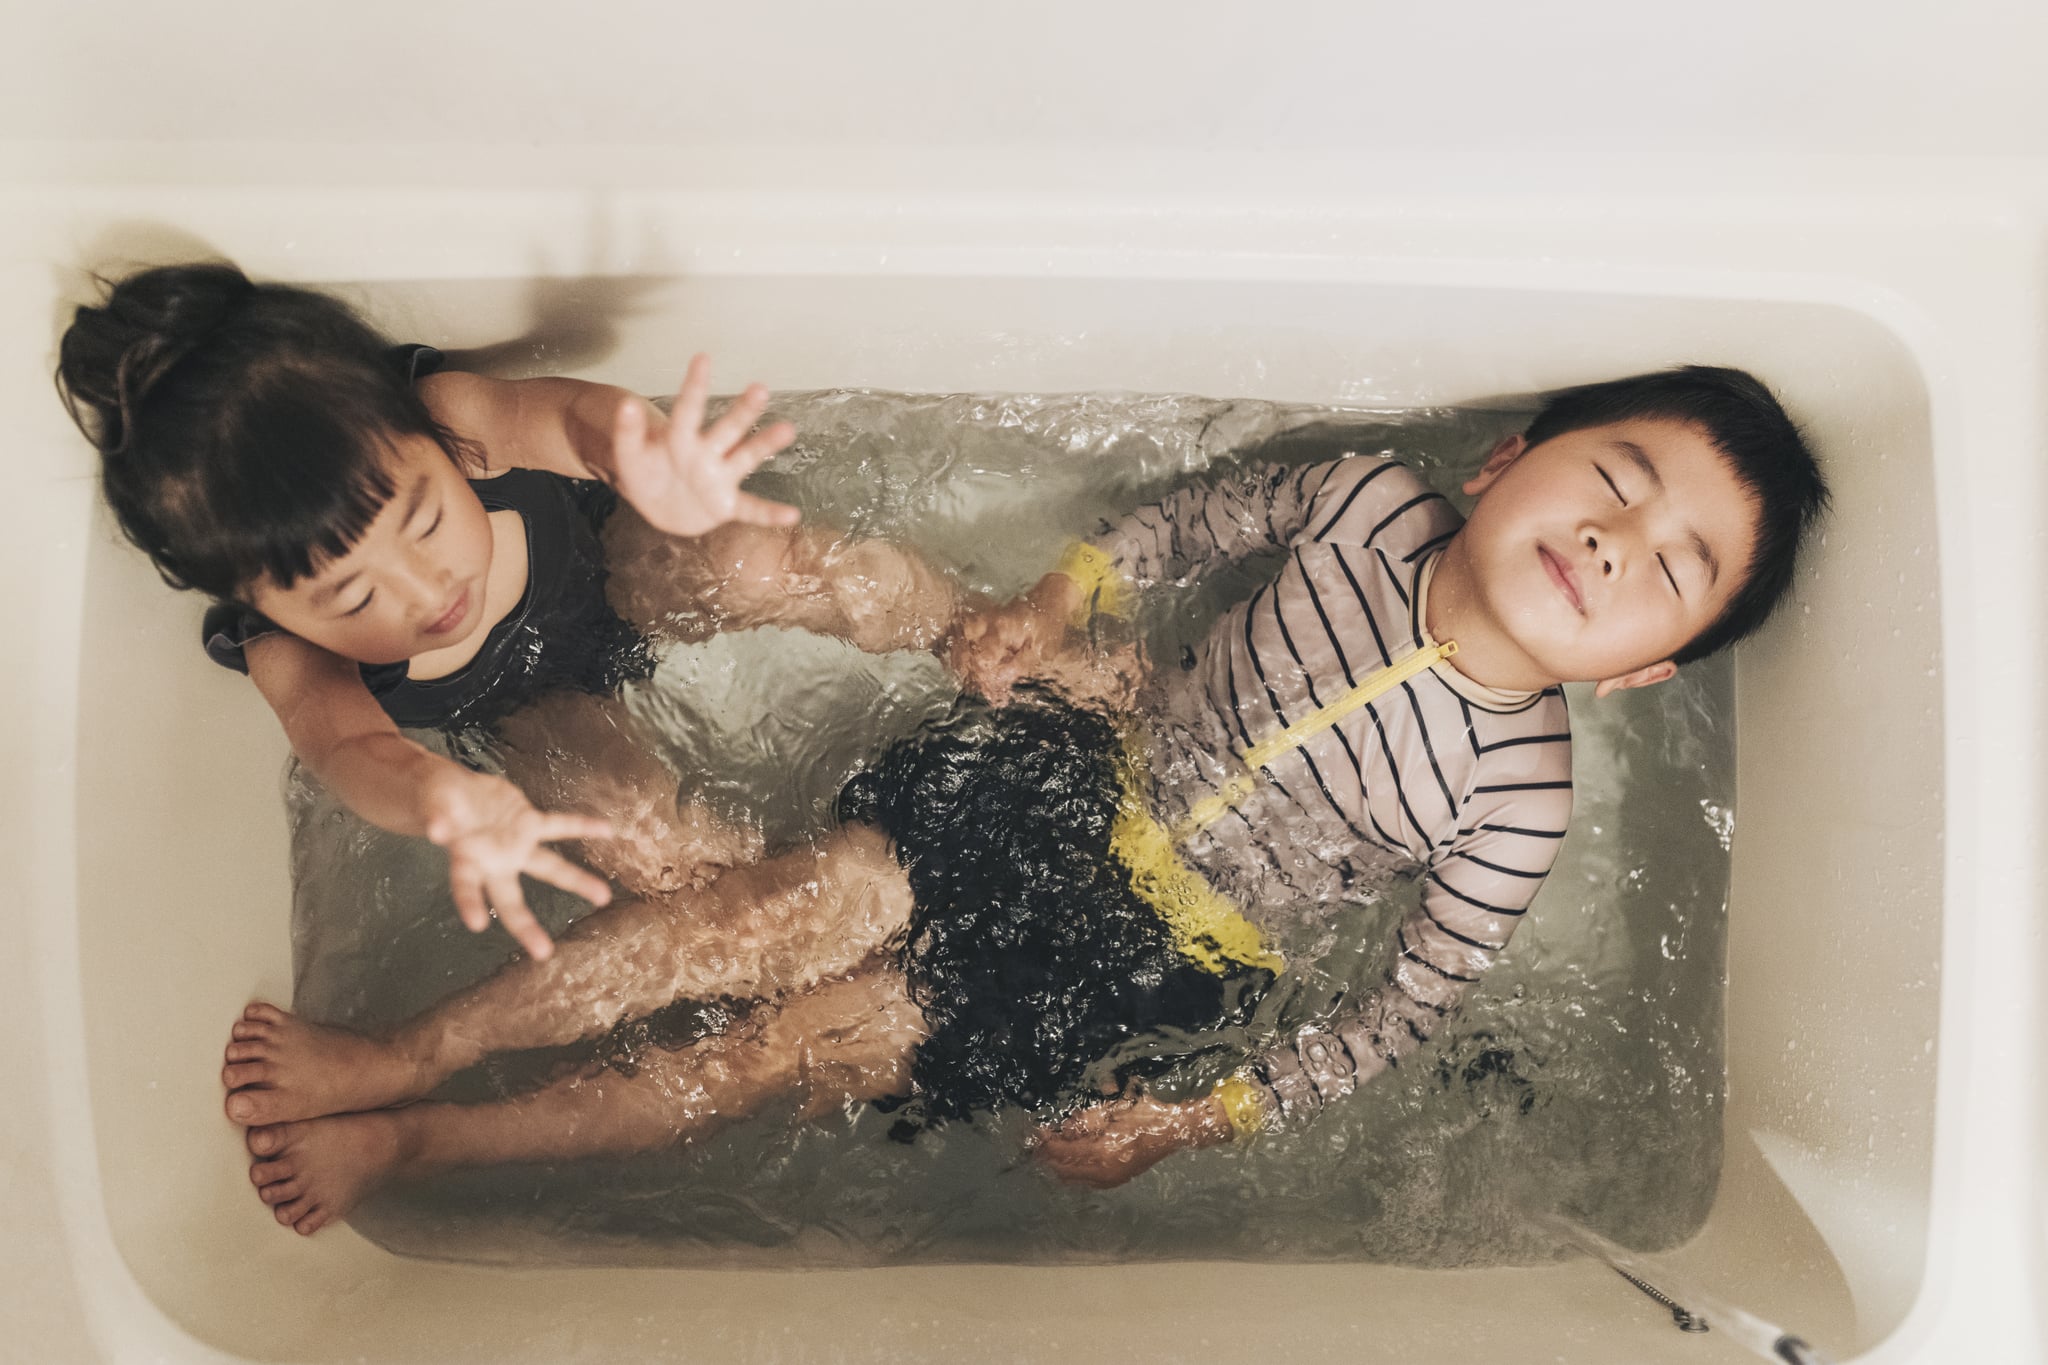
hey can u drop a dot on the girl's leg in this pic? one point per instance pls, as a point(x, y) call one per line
point(761, 931)
point(874, 594)
point(841, 1043)
point(572, 752)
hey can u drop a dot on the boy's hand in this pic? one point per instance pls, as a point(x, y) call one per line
point(684, 477)
point(1107, 1144)
point(493, 834)
point(993, 648)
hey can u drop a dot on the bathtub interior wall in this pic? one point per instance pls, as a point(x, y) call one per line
point(1822, 1217)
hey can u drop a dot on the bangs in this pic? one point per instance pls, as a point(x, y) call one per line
point(291, 488)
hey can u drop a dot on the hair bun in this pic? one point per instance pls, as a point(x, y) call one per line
point(113, 355)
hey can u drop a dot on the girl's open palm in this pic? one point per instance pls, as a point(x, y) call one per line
point(493, 835)
point(684, 477)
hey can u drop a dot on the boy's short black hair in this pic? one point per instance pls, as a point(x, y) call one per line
point(1759, 442)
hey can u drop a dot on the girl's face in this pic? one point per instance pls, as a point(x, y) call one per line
point(413, 583)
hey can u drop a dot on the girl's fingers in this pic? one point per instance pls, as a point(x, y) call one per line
point(688, 410)
point(629, 428)
point(561, 825)
point(468, 890)
point(734, 423)
point(518, 920)
point(761, 512)
point(551, 867)
point(750, 454)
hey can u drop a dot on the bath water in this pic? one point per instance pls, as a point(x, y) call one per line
point(1584, 1073)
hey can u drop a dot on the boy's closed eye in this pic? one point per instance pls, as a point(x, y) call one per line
point(1612, 486)
point(359, 608)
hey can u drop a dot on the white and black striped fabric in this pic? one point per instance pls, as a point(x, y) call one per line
point(1466, 786)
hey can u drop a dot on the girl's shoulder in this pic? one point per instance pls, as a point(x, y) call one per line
point(475, 410)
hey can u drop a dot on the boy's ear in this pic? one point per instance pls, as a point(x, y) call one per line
point(1505, 452)
point(1646, 676)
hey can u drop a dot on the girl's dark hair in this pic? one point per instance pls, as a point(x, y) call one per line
point(243, 429)
point(1761, 445)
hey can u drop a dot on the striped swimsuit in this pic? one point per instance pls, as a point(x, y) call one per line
point(1467, 786)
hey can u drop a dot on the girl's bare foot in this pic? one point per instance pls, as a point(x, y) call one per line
point(280, 1067)
point(314, 1172)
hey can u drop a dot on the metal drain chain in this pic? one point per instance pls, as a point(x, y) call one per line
point(1687, 1320)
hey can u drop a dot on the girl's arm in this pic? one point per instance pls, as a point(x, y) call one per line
point(680, 474)
point(492, 833)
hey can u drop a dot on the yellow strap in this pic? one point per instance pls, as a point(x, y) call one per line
point(1245, 1102)
point(1207, 929)
point(1102, 588)
point(1295, 735)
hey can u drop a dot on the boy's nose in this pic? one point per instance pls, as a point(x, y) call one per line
point(1603, 552)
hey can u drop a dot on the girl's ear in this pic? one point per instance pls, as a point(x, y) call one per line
point(1505, 452)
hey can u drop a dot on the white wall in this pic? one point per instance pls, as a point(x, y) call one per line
point(1353, 79)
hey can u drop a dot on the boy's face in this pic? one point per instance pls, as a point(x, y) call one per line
point(1602, 552)
point(413, 582)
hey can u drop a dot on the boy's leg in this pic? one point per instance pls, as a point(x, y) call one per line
point(760, 931)
point(874, 594)
point(842, 1042)
point(572, 752)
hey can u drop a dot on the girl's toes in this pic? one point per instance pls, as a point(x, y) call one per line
point(235, 1075)
point(257, 1108)
point(245, 1052)
point(263, 1012)
point(270, 1140)
point(281, 1192)
point(268, 1172)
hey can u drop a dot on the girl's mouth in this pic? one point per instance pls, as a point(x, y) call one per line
point(1561, 574)
point(448, 620)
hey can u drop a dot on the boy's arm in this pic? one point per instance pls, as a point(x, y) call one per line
point(492, 833)
point(682, 475)
point(1472, 898)
point(1473, 895)
point(1192, 530)
point(1202, 526)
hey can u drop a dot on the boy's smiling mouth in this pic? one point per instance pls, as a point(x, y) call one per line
point(1562, 575)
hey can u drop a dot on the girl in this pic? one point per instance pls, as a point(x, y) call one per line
point(393, 544)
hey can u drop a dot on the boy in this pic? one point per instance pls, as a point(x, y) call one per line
point(1042, 889)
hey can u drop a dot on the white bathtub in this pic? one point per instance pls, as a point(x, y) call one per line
point(1881, 1194)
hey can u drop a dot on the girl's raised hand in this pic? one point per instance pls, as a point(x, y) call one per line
point(493, 834)
point(683, 476)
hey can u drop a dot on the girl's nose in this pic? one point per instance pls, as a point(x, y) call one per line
point(427, 583)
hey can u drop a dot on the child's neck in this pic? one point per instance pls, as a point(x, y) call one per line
point(1457, 611)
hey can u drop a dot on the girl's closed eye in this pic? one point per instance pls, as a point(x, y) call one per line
point(433, 525)
point(1669, 577)
point(359, 608)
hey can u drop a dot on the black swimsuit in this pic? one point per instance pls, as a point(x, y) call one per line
point(562, 633)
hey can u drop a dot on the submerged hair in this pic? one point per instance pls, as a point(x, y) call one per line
point(245, 430)
point(1763, 448)
point(1028, 952)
